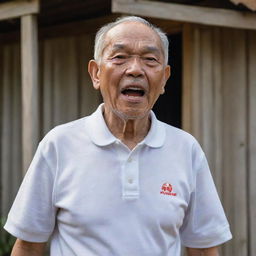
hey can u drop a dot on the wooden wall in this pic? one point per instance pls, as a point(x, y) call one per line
point(10, 124)
point(65, 94)
point(219, 107)
point(66, 89)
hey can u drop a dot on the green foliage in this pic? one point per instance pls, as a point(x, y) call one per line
point(6, 240)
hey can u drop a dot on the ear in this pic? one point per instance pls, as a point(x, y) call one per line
point(167, 74)
point(94, 70)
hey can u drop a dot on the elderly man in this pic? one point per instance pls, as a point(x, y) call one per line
point(120, 182)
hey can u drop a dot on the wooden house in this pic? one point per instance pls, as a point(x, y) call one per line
point(44, 50)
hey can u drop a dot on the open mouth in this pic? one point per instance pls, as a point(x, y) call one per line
point(133, 91)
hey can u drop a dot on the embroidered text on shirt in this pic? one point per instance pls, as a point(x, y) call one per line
point(167, 190)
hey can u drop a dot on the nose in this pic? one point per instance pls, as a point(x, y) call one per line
point(135, 67)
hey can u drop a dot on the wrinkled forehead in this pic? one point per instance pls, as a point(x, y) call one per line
point(132, 33)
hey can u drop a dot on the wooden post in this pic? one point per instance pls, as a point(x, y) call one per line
point(30, 115)
point(252, 142)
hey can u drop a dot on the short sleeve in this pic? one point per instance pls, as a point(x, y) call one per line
point(32, 215)
point(205, 224)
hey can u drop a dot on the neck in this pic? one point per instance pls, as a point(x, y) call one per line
point(129, 131)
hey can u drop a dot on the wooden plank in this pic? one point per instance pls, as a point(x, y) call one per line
point(47, 85)
point(207, 107)
point(196, 88)
point(252, 141)
point(187, 58)
point(11, 126)
point(186, 13)
point(15, 9)
point(30, 108)
point(89, 98)
point(234, 139)
point(65, 80)
point(217, 116)
point(6, 132)
point(15, 97)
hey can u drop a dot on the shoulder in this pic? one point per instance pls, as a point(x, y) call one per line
point(178, 135)
point(67, 128)
point(182, 142)
point(64, 134)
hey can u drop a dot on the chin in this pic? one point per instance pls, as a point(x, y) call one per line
point(131, 114)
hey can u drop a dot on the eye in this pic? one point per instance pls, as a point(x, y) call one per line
point(120, 57)
point(151, 59)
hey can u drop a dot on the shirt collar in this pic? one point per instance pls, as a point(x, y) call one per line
point(101, 135)
point(156, 135)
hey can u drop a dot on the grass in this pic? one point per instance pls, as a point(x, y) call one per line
point(6, 240)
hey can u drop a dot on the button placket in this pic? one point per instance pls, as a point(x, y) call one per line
point(130, 170)
point(129, 159)
point(131, 176)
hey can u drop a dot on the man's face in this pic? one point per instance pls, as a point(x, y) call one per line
point(131, 74)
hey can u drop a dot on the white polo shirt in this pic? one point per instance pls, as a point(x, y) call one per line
point(92, 196)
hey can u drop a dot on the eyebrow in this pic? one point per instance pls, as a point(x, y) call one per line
point(145, 49)
point(119, 46)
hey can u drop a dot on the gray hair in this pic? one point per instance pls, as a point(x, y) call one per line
point(100, 36)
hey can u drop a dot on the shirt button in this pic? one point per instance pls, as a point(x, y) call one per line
point(130, 180)
point(129, 160)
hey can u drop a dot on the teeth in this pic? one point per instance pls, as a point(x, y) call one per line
point(133, 88)
point(133, 91)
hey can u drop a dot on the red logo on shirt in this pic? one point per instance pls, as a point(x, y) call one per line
point(167, 190)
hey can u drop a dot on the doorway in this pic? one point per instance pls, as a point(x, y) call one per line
point(168, 107)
